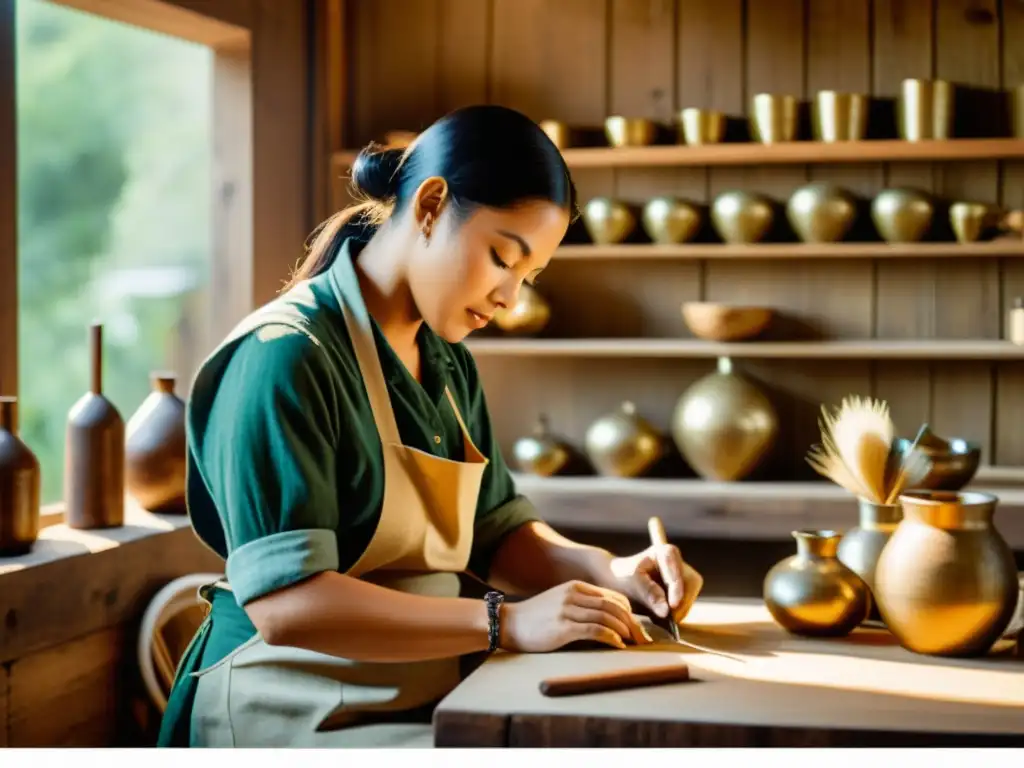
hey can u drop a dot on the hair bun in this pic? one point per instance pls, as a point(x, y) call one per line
point(375, 172)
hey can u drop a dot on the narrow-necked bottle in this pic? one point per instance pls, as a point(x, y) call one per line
point(19, 486)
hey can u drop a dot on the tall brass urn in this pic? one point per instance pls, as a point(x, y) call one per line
point(724, 425)
point(861, 546)
point(946, 583)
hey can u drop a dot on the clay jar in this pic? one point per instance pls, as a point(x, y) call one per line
point(155, 450)
point(19, 486)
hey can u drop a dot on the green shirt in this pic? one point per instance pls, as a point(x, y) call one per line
point(286, 472)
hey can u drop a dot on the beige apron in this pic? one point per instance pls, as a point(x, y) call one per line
point(264, 695)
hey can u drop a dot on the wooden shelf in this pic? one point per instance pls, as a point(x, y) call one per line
point(784, 251)
point(749, 510)
point(749, 153)
point(871, 349)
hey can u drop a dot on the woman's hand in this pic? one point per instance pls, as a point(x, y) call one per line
point(567, 613)
point(659, 579)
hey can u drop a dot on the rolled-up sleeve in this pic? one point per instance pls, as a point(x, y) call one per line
point(500, 508)
point(268, 456)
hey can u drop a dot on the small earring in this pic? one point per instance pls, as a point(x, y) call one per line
point(427, 225)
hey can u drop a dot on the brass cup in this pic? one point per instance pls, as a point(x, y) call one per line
point(559, 133)
point(774, 118)
point(925, 109)
point(971, 220)
point(840, 116)
point(701, 126)
point(630, 131)
point(1017, 111)
point(669, 221)
point(608, 221)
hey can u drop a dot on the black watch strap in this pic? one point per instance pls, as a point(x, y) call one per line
point(494, 600)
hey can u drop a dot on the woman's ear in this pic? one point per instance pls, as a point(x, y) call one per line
point(431, 198)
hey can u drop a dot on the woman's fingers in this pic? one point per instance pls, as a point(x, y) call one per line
point(615, 606)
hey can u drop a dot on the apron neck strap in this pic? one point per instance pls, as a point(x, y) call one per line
point(360, 328)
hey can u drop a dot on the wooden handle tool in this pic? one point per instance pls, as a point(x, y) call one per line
point(615, 680)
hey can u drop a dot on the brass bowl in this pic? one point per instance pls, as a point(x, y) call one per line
point(529, 315)
point(742, 217)
point(725, 322)
point(821, 213)
point(972, 220)
point(902, 215)
point(774, 117)
point(608, 221)
point(840, 116)
point(559, 133)
point(630, 131)
point(669, 220)
point(954, 463)
point(701, 126)
point(925, 109)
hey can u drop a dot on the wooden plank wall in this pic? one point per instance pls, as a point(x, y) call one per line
point(581, 60)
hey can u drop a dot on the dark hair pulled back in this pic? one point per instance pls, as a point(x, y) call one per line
point(489, 156)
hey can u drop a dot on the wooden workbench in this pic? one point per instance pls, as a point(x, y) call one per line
point(863, 690)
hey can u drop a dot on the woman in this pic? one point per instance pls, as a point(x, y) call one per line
point(342, 460)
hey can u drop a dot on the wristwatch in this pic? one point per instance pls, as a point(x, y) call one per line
point(494, 599)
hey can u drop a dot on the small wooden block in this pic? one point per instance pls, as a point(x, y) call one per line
point(615, 680)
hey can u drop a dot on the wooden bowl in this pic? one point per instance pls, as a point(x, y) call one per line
point(725, 322)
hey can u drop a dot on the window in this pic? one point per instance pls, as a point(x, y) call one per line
point(114, 212)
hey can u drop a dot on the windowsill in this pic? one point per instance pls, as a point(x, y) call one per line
point(76, 582)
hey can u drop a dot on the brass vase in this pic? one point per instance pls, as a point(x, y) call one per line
point(624, 444)
point(774, 118)
point(971, 221)
point(669, 220)
point(946, 583)
point(155, 450)
point(821, 213)
point(19, 486)
point(925, 109)
point(902, 215)
point(630, 131)
point(861, 547)
point(811, 593)
point(840, 116)
point(540, 453)
point(530, 314)
point(742, 217)
point(94, 453)
point(723, 425)
point(608, 221)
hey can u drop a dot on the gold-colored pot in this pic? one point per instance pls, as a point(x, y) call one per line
point(840, 116)
point(1017, 111)
point(953, 462)
point(742, 217)
point(774, 118)
point(669, 220)
point(861, 547)
point(623, 444)
point(970, 221)
point(541, 453)
point(723, 425)
point(630, 131)
point(701, 126)
point(608, 221)
point(714, 321)
point(811, 593)
point(529, 315)
point(559, 133)
point(902, 215)
point(821, 213)
point(925, 109)
point(946, 583)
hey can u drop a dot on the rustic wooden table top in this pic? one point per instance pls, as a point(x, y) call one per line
point(863, 690)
